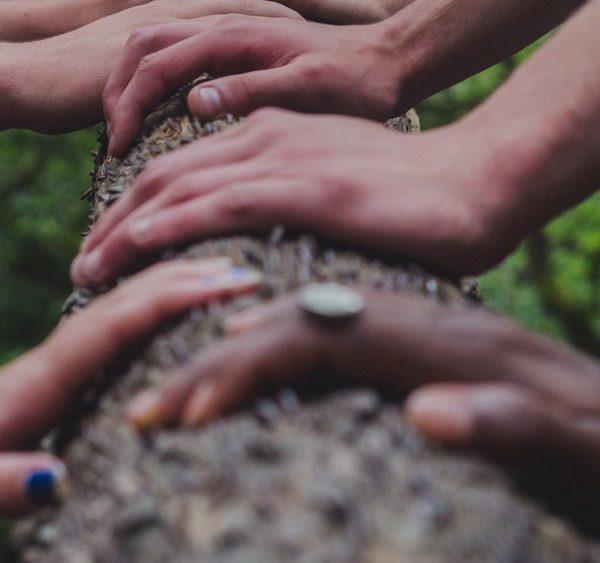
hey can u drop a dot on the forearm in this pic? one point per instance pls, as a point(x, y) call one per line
point(540, 132)
point(24, 20)
point(440, 42)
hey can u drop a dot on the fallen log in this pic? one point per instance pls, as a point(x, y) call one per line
point(320, 472)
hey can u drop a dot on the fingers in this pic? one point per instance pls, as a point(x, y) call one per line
point(148, 73)
point(268, 343)
point(28, 481)
point(249, 205)
point(174, 170)
point(508, 422)
point(285, 87)
point(160, 59)
point(45, 380)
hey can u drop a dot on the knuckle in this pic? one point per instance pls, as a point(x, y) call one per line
point(336, 192)
point(238, 202)
point(140, 39)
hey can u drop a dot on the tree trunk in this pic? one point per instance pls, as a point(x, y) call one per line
point(318, 473)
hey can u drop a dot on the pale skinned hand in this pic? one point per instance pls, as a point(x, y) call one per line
point(413, 196)
point(55, 85)
point(299, 65)
point(37, 388)
point(481, 382)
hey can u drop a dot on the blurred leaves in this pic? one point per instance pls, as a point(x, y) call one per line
point(41, 218)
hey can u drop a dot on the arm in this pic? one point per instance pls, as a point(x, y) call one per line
point(37, 388)
point(24, 20)
point(373, 71)
point(55, 85)
point(459, 198)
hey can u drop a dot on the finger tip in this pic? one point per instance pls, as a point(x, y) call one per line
point(46, 485)
point(441, 416)
point(143, 412)
point(204, 102)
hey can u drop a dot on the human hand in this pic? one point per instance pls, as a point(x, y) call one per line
point(38, 387)
point(412, 196)
point(294, 64)
point(55, 85)
point(481, 382)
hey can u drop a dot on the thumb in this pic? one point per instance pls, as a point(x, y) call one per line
point(28, 481)
point(500, 419)
point(242, 93)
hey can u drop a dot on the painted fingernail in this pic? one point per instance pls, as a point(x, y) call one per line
point(45, 485)
point(211, 100)
point(200, 406)
point(140, 230)
point(142, 412)
point(441, 416)
point(231, 279)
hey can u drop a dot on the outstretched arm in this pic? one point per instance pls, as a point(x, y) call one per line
point(459, 198)
point(372, 71)
point(37, 388)
point(55, 85)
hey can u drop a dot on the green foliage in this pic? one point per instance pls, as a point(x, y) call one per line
point(41, 219)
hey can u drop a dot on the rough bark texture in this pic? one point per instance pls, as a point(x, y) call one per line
point(318, 473)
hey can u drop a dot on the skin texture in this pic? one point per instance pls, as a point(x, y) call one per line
point(537, 400)
point(374, 71)
point(25, 20)
point(458, 198)
point(47, 379)
point(55, 85)
point(347, 11)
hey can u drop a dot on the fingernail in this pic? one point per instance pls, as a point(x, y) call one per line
point(45, 485)
point(140, 230)
point(441, 416)
point(91, 265)
point(142, 411)
point(231, 279)
point(199, 409)
point(108, 129)
point(210, 100)
point(243, 321)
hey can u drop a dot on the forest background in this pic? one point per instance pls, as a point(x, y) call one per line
point(549, 283)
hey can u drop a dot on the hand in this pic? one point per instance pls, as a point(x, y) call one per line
point(413, 196)
point(482, 382)
point(38, 387)
point(55, 85)
point(294, 64)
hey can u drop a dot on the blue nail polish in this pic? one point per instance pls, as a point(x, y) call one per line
point(40, 486)
point(237, 272)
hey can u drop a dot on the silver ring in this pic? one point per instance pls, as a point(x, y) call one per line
point(330, 301)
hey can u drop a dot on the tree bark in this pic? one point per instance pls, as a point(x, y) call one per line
point(320, 472)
